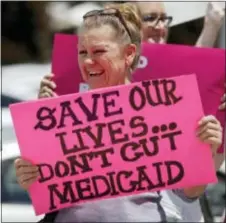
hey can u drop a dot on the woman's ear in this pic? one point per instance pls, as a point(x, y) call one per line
point(130, 54)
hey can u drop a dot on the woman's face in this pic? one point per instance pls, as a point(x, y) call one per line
point(103, 61)
point(153, 33)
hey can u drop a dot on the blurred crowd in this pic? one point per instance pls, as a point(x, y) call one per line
point(28, 28)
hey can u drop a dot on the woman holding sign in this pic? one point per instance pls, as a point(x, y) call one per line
point(109, 50)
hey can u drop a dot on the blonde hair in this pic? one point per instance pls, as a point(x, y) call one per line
point(132, 17)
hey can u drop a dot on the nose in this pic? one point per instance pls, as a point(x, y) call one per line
point(89, 60)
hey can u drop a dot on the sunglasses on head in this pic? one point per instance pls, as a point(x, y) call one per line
point(109, 12)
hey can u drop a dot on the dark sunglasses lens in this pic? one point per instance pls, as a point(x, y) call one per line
point(149, 18)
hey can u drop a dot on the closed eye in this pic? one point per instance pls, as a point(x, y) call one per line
point(82, 52)
point(99, 51)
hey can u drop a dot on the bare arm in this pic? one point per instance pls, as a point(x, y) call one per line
point(213, 22)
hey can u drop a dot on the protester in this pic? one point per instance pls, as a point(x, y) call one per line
point(156, 22)
point(108, 52)
point(156, 25)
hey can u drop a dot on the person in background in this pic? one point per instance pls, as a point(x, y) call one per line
point(155, 28)
point(155, 21)
point(108, 52)
point(156, 24)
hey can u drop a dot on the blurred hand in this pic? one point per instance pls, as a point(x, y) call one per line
point(47, 87)
point(223, 100)
point(214, 14)
point(26, 173)
point(210, 131)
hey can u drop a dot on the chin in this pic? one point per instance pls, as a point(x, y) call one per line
point(95, 86)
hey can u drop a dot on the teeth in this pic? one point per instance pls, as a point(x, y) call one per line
point(95, 73)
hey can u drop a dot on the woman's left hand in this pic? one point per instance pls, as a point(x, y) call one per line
point(210, 131)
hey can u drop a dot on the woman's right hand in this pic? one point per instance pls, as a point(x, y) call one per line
point(47, 87)
point(26, 173)
point(214, 15)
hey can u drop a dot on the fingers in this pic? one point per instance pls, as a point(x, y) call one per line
point(26, 173)
point(208, 126)
point(223, 105)
point(26, 182)
point(28, 176)
point(212, 141)
point(47, 87)
point(46, 92)
point(214, 7)
point(48, 76)
point(223, 98)
point(210, 132)
point(47, 81)
point(206, 119)
point(26, 170)
point(215, 14)
point(21, 163)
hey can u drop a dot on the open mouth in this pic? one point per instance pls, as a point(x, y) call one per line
point(95, 74)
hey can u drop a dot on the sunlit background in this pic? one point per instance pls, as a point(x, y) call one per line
point(28, 29)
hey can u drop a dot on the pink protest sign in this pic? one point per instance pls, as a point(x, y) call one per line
point(208, 64)
point(172, 60)
point(87, 147)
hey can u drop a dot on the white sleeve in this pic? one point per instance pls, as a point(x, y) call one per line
point(179, 208)
point(191, 212)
